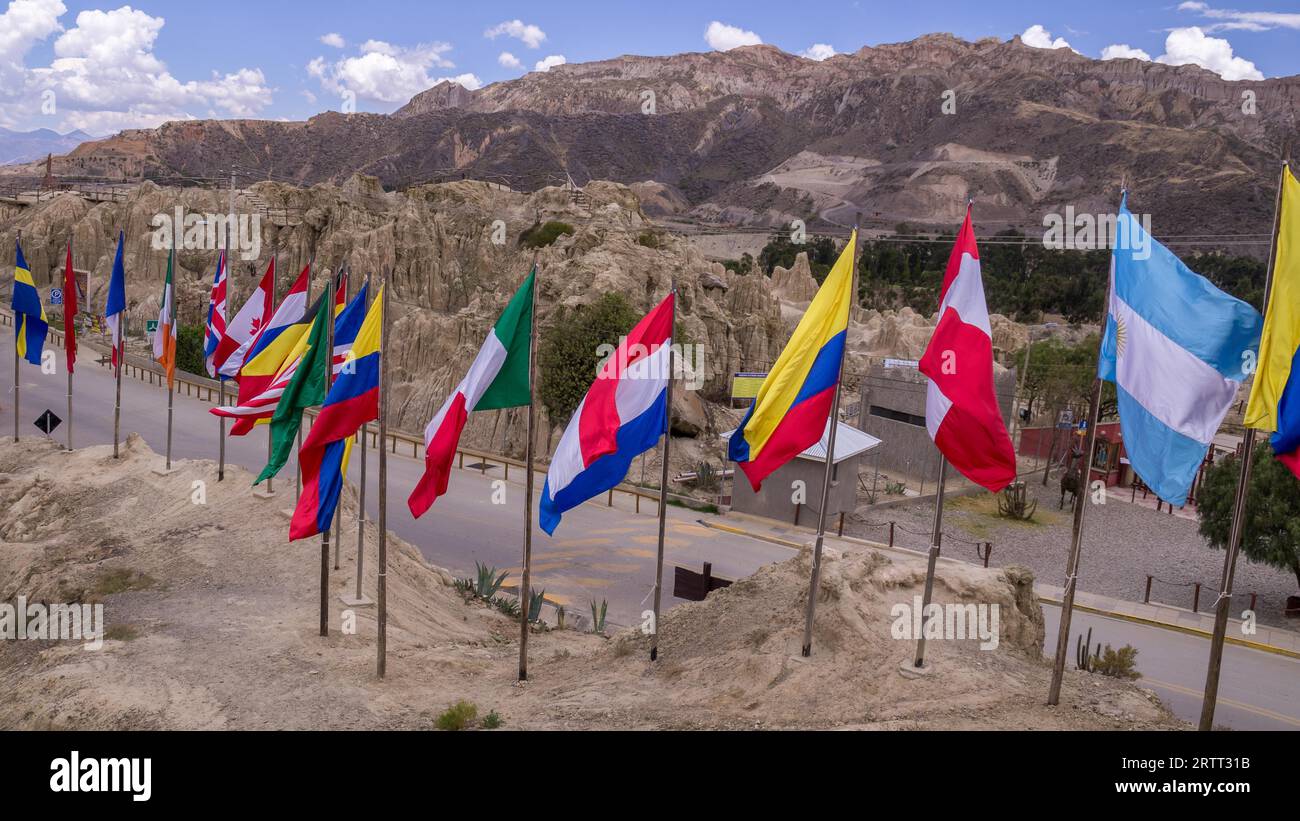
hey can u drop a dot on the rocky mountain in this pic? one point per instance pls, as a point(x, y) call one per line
point(31, 146)
point(902, 132)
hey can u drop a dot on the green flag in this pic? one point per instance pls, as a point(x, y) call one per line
point(306, 389)
point(509, 386)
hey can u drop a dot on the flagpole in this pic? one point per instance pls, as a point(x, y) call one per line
point(275, 293)
point(69, 330)
point(1080, 505)
point(834, 422)
point(663, 481)
point(382, 622)
point(329, 382)
point(526, 590)
point(329, 296)
point(171, 394)
point(936, 544)
point(359, 598)
point(17, 325)
point(1215, 667)
point(297, 474)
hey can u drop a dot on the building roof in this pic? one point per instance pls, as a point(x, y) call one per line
point(849, 442)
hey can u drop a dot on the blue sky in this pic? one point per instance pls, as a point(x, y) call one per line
point(102, 67)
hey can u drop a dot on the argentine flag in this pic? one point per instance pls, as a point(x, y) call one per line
point(1177, 349)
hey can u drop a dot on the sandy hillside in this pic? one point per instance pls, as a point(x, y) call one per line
point(215, 626)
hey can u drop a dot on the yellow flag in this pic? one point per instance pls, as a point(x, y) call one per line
point(1281, 339)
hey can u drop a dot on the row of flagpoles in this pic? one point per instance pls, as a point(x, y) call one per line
point(286, 358)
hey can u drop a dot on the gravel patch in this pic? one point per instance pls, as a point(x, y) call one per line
point(1122, 543)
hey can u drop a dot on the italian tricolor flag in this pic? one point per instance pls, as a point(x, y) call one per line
point(164, 339)
point(497, 379)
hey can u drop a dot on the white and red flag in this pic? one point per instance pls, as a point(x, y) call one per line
point(215, 328)
point(240, 331)
point(961, 409)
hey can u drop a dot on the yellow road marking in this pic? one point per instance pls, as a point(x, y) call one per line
point(1250, 708)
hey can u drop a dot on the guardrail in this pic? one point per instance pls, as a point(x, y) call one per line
point(209, 390)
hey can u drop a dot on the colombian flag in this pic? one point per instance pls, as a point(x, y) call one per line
point(795, 399)
point(352, 401)
point(31, 325)
point(1275, 394)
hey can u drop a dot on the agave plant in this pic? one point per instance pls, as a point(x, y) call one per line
point(488, 582)
point(598, 616)
point(535, 600)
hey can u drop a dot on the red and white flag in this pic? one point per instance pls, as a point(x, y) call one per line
point(240, 331)
point(961, 409)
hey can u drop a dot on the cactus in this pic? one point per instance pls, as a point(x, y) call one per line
point(1083, 655)
point(488, 582)
point(598, 616)
point(1013, 503)
point(559, 616)
point(535, 600)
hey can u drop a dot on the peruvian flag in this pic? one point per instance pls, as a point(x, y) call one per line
point(961, 410)
point(240, 331)
point(498, 378)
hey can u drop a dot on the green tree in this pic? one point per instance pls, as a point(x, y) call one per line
point(567, 355)
point(189, 350)
point(1271, 532)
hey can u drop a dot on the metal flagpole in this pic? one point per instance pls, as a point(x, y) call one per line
point(171, 316)
point(17, 387)
point(328, 296)
point(297, 477)
point(526, 590)
point(1080, 506)
point(329, 382)
point(833, 422)
point(1209, 702)
point(117, 404)
point(936, 543)
point(359, 598)
point(275, 294)
point(71, 325)
point(663, 484)
point(382, 622)
point(221, 382)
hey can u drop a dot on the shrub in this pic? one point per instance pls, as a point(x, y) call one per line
point(458, 716)
point(539, 236)
point(491, 721)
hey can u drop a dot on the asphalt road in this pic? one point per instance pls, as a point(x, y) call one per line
point(597, 552)
point(1257, 690)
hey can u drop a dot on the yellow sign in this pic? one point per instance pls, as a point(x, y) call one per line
point(746, 385)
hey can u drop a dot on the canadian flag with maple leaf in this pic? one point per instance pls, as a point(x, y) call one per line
point(243, 329)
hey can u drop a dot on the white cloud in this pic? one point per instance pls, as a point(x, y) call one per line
point(1039, 37)
point(387, 73)
point(818, 51)
point(526, 33)
point(549, 62)
point(1121, 51)
point(333, 40)
point(1233, 20)
point(1192, 46)
point(723, 37)
point(508, 60)
point(105, 75)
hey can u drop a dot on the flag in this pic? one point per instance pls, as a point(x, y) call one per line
point(30, 325)
point(262, 376)
point(228, 357)
point(164, 339)
point(793, 403)
point(70, 297)
point(306, 387)
point(623, 414)
point(115, 307)
point(215, 329)
point(352, 401)
point(498, 378)
point(1177, 349)
point(1275, 395)
point(961, 408)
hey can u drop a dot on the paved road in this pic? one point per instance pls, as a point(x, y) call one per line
point(596, 553)
point(1257, 690)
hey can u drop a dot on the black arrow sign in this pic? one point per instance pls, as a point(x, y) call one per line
point(47, 421)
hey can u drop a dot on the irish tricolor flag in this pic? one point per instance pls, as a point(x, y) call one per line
point(164, 339)
point(497, 379)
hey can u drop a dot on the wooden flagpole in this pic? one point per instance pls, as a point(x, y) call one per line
point(1224, 602)
point(171, 316)
point(331, 287)
point(70, 325)
point(936, 543)
point(1080, 504)
point(526, 589)
point(382, 625)
point(834, 420)
point(663, 482)
point(17, 385)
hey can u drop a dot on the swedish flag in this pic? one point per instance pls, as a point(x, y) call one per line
point(29, 314)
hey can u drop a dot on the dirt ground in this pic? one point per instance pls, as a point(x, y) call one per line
point(213, 623)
